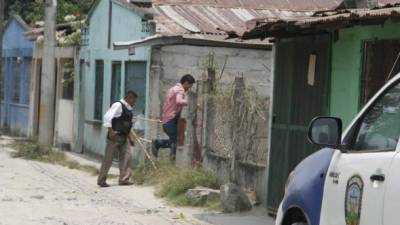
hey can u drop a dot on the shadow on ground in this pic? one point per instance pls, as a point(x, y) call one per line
point(257, 216)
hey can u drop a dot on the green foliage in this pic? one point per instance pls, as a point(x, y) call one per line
point(33, 10)
point(184, 180)
point(30, 150)
point(174, 182)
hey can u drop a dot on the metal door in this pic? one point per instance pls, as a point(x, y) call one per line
point(135, 80)
point(299, 95)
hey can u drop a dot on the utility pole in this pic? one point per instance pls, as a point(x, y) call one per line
point(48, 79)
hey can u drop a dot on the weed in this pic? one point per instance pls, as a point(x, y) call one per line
point(174, 182)
point(30, 150)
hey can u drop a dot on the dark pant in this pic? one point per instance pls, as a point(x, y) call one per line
point(171, 129)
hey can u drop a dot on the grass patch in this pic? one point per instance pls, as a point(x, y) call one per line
point(30, 150)
point(173, 182)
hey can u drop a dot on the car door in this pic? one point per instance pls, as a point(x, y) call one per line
point(358, 177)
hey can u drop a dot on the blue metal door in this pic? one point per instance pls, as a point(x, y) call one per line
point(135, 80)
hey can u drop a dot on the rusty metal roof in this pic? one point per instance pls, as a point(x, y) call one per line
point(290, 5)
point(211, 20)
point(321, 21)
point(220, 19)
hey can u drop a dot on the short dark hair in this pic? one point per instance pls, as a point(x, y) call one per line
point(131, 93)
point(188, 78)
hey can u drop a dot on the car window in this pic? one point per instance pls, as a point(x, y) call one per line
point(379, 129)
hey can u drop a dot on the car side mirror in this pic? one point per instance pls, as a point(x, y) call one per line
point(325, 131)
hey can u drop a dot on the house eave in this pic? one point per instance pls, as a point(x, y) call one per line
point(180, 40)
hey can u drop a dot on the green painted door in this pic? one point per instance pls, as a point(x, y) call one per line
point(135, 80)
point(300, 94)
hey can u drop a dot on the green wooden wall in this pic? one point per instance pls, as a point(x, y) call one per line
point(347, 55)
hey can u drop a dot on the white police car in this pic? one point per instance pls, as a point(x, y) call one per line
point(355, 180)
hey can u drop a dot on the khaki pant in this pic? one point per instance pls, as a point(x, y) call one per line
point(125, 160)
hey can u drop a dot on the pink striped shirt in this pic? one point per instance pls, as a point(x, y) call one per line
point(174, 101)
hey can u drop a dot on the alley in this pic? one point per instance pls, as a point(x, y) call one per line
point(38, 193)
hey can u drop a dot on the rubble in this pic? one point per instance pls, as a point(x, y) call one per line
point(234, 199)
point(202, 195)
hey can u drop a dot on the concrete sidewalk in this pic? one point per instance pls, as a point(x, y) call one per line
point(258, 216)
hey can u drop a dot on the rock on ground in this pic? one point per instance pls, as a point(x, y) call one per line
point(234, 199)
point(202, 195)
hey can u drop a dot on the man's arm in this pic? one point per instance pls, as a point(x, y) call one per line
point(181, 98)
point(114, 111)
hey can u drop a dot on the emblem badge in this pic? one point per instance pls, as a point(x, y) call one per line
point(353, 200)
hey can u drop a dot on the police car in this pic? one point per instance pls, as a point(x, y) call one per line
point(355, 178)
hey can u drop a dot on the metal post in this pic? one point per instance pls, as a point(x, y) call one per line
point(48, 79)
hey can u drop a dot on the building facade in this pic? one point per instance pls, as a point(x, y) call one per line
point(15, 77)
point(106, 74)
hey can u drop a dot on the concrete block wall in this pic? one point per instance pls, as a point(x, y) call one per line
point(169, 63)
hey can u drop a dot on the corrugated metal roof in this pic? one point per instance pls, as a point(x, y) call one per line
point(321, 21)
point(211, 20)
point(290, 5)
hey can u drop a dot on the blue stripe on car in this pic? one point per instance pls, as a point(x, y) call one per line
point(307, 185)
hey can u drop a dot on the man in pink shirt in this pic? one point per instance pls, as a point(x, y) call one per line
point(175, 100)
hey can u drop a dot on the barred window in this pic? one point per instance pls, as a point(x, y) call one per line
point(16, 79)
point(98, 92)
point(68, 79)
point(116, 81)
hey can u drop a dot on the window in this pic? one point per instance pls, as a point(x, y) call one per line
point(379, 129)
point(26, 81)
point(67, 72)
point(98, 91)
point(16, 79)
point(2, 76)
point(115, 82)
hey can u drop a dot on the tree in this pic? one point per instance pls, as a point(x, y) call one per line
point(33, 10)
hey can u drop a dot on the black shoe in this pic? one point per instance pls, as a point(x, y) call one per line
point(154, 148)
point(125, 183)
point(104, 185)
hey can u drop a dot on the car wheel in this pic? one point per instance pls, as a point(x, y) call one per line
point(299, 223)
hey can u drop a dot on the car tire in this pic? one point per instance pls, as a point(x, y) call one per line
point(300, 223)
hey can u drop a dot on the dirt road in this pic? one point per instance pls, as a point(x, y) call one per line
point(38, 193)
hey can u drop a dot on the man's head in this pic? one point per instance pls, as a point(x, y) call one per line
point(187, 81)
point(131, 98)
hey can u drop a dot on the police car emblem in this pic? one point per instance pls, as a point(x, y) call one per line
point(353, 201)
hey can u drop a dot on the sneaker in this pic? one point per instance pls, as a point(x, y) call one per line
point(154, 148)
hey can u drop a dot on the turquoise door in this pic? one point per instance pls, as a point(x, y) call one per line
point(135, 80)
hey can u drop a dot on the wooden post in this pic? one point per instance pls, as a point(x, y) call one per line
point(209, 112)
point(237, 102)
point(48, 90)
point(198, 125)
